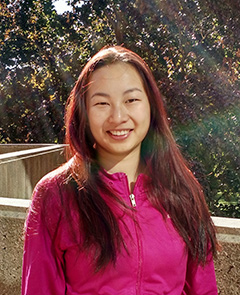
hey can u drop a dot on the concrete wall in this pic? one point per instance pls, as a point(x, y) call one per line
point(22, 166)
point(227, 264)
point(12, 216)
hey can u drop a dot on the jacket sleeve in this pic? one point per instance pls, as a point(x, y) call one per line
point(200, 280)
point(43, 267)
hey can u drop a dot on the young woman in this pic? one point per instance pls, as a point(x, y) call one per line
point(124, 215)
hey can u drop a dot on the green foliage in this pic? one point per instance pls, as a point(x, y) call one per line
point(38, 69)
point(191, 46)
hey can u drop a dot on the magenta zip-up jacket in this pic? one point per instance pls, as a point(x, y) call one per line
point(157, 261)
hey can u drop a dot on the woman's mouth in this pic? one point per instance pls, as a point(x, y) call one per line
point(120, 134)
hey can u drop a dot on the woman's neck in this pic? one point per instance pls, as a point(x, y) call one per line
point(129, 164)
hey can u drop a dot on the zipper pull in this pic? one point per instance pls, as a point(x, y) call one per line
point(132, 199)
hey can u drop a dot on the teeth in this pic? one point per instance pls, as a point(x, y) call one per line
point(119, 132)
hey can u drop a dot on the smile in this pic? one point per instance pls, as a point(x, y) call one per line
point(119, 132)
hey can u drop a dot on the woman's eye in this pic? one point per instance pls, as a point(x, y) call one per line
point(101, 103)
point(131, 100)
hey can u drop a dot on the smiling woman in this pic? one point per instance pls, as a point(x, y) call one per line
point(124, 215)
point(119, 116)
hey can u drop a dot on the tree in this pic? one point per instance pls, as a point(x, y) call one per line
point(38, 70)
point(191, 46)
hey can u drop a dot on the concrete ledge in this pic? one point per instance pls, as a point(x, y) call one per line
point(12, 217)
point(15, 147)
point(21, 167)
point(16, 154)
point(224, 223)
point(228, 229)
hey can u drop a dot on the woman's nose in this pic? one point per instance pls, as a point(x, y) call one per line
point(118, 114)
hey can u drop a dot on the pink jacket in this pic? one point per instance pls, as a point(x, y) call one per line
point(157, 263)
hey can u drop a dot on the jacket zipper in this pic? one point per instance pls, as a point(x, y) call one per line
point(139, 246)
point(132, 199)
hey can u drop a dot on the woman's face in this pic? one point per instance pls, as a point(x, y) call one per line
point(118, 110)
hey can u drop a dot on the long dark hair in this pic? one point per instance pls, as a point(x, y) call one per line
point(174, 189)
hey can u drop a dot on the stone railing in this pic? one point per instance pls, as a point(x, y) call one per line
point(21, 167)
point(12, 216)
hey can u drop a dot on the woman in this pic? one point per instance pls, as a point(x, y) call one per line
point(125, 215)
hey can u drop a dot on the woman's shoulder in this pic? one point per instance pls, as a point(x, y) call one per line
point(54, 179)
point(52, 188)
point(46, 206)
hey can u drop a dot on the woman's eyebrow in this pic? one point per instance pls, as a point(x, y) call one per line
point(100, 94)
point(124, 93)
point(132, 90)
